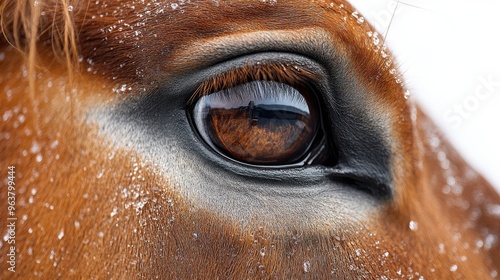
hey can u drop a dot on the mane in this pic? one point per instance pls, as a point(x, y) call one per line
point(27, 25)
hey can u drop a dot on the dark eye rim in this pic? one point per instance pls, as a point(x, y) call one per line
point(160, 122)
point(321, 151)
point(371, 170)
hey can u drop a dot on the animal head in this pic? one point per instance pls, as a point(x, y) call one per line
point(225, 139)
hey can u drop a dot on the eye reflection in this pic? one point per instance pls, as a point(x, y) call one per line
point(260, 122)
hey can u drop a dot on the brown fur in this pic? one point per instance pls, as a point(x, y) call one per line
point(70, 177)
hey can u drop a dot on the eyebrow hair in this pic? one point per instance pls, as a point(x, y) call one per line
point(278, 72)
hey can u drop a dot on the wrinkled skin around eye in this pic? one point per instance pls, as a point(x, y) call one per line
point(262, 122)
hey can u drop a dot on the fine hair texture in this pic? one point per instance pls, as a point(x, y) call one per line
point(27, 25)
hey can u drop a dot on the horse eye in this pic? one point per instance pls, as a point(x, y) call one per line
point(259, 122)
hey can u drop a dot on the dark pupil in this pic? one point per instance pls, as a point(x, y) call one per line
point(261, 122)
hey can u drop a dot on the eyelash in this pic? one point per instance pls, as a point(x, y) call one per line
point(292, 75)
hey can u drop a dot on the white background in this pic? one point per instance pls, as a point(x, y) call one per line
point(446, 48)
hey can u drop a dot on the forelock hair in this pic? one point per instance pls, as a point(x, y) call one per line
point(29, 24)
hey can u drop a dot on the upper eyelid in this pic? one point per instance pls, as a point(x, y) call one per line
point(276, 71)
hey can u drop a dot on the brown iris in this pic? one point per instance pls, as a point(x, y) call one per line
point(259, 122)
